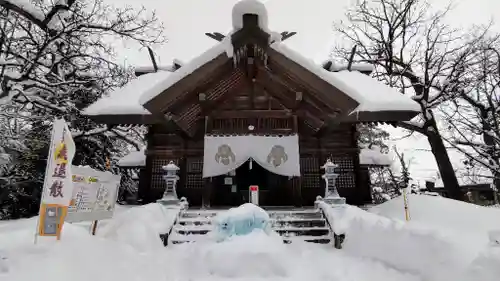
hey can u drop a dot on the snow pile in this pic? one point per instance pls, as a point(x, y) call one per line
point(140, 227)
point(470, 223)
point(125, 100)
point(416, 249)
point(249, 7)
point(77, 257)
point(371, 156)
point(242, 220)
point(133, 159)
point(257, 256)
point(486, 267)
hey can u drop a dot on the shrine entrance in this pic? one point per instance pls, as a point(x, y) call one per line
point(233, 189)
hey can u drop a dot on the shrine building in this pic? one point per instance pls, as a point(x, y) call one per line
point(251, 111)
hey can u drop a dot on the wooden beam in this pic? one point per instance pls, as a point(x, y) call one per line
point(252, 114)
point(308, 103)
point(286, 84)
point(286, 100)
point(285, 35)
point(195, 82)
point(216, 36)
point(330, 95)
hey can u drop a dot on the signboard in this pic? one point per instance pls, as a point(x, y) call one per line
point(57, 187)
point(254, 194)
point(94, 195)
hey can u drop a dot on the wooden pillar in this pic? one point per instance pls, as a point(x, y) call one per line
point(207, 182)
point(361, 189)
point(296, 182)
point(144, 191)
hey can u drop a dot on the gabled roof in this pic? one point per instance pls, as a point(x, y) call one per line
point(370, 94)
point(361, 98)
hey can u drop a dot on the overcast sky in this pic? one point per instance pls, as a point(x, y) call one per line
point(186, 21)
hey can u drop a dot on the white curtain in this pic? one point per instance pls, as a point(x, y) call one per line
point(279, 155)
point(224, 154)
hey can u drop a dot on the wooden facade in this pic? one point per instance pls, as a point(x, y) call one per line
point(258, 91)
point(340, 144)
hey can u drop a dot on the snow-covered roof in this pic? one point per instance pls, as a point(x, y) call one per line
point(373, 157)
point(185, 70)
point(133, 159)
point(371, 94)
point(125, 100)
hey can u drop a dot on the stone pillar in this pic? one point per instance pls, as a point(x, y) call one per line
point(171, 178)
point(331, 194)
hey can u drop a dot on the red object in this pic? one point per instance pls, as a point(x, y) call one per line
point(254, 188)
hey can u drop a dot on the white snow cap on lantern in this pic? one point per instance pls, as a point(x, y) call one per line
point(171, 167)
point(249, 7)
point(329, 164)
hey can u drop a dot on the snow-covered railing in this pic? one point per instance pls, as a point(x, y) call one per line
point(184, 205)
point(338, 236)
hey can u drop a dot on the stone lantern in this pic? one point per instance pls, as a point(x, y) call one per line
point(171, 178)
point(331, 194)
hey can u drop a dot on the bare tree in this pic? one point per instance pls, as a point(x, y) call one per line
point(474, 118)
point(57, 57)
point(413, 49)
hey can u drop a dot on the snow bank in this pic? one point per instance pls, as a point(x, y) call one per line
point(140, 227)
point(486, 267)
point(125, 100)
point(469, 223)
point(416, 249)
point(78, 256)
point(258, 256)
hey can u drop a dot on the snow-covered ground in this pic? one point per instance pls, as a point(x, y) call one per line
point(379, 246)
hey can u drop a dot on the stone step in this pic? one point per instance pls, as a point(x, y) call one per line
point(323, 239)
point(307, 225)
point(302, 231)
point(196, 214)
point(299, 222)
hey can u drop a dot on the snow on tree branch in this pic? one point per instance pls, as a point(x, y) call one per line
point(412, 48)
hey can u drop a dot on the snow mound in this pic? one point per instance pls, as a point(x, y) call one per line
point(241, 221)
point(257, 256)
point(486, 267)
point(78, 256)
point(418, 249)
point(140, 227)
point(470, 223)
